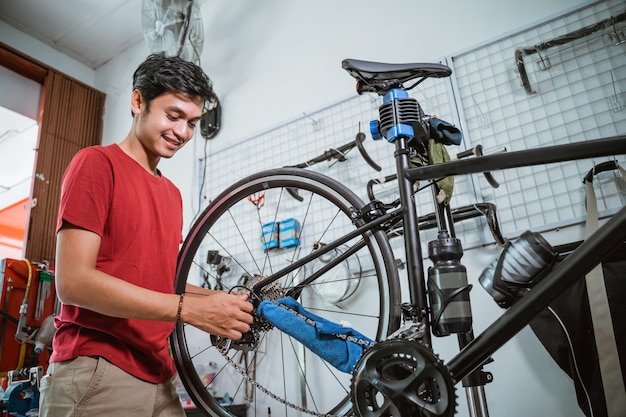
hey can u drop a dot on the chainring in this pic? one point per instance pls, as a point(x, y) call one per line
point(402, 378)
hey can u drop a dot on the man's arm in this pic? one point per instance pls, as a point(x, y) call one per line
point(79, 283)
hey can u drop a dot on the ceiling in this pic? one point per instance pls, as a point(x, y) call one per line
point(90, 31)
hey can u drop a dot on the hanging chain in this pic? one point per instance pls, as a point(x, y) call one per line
point(410, 331)
point(273, 292)
point(260, 387)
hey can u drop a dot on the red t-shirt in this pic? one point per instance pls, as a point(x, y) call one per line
point(139, 218)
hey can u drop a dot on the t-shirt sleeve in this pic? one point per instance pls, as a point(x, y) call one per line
point(86, 191)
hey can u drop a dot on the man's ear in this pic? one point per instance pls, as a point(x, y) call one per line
point(137, 105)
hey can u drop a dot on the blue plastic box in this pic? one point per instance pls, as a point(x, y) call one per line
point(269, 239)
point(289, 233)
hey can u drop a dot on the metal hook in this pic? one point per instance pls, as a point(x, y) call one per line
point(316, 123)
point(616, 37)
point(543, 63)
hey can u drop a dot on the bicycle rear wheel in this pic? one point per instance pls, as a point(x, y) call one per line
point(226, 249)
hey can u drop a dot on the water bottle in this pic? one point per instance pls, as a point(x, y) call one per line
point(448, 290)
point(44, 335)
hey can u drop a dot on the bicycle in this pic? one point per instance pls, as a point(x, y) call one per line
point(339, 263)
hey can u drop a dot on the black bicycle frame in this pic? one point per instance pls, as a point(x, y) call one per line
point(476, 351)
point(578, 263)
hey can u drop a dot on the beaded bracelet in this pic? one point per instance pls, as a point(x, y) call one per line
point(180, 307)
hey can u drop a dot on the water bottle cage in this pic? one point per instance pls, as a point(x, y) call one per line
point(513, 290)
point(447, 299)
point(500, 285)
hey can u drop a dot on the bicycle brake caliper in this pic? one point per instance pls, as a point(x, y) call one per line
point(369, 212)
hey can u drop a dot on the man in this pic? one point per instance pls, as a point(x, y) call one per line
point(118, 234)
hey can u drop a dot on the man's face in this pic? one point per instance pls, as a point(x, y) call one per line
point(169, 123)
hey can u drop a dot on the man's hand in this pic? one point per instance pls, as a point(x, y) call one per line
point(220, 314)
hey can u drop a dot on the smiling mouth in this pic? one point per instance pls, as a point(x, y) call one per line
point(175, 142)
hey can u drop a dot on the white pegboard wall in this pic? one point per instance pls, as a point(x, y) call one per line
point(575, 99)
point(312, 134)
point(571, 101)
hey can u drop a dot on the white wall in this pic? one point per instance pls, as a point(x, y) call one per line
point(272, 61)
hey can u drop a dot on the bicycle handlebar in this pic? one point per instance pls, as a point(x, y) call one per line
point(339, 154)
point(478, 151)
point(360, 137)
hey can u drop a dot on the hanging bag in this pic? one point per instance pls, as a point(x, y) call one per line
point(584, 329)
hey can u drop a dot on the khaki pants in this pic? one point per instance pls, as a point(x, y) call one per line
point(93, 387)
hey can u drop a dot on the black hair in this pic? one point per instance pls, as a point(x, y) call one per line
point(160, 74)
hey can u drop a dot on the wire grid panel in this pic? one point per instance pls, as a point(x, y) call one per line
point(326, 130)
point(244, 223)
point(577, 91)
point(577, 98)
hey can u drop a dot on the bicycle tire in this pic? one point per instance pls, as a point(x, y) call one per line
point(298, 382)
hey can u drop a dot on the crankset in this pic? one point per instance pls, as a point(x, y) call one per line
point(402, 378)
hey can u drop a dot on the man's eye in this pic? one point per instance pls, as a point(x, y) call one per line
point(171, 117)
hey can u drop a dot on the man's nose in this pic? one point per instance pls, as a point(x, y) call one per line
point(182, 130)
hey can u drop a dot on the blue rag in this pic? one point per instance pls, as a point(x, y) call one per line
point(323, 337)
point(444, 132)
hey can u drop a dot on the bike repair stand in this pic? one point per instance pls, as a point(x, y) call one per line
point(447, 251)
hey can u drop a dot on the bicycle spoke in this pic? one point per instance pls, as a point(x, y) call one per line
point(274, 370)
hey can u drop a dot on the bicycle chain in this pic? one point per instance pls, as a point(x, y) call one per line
point(410, 331)
point(249, 379)
point(273, 292)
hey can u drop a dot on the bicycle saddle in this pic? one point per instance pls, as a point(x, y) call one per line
point(378, 77)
